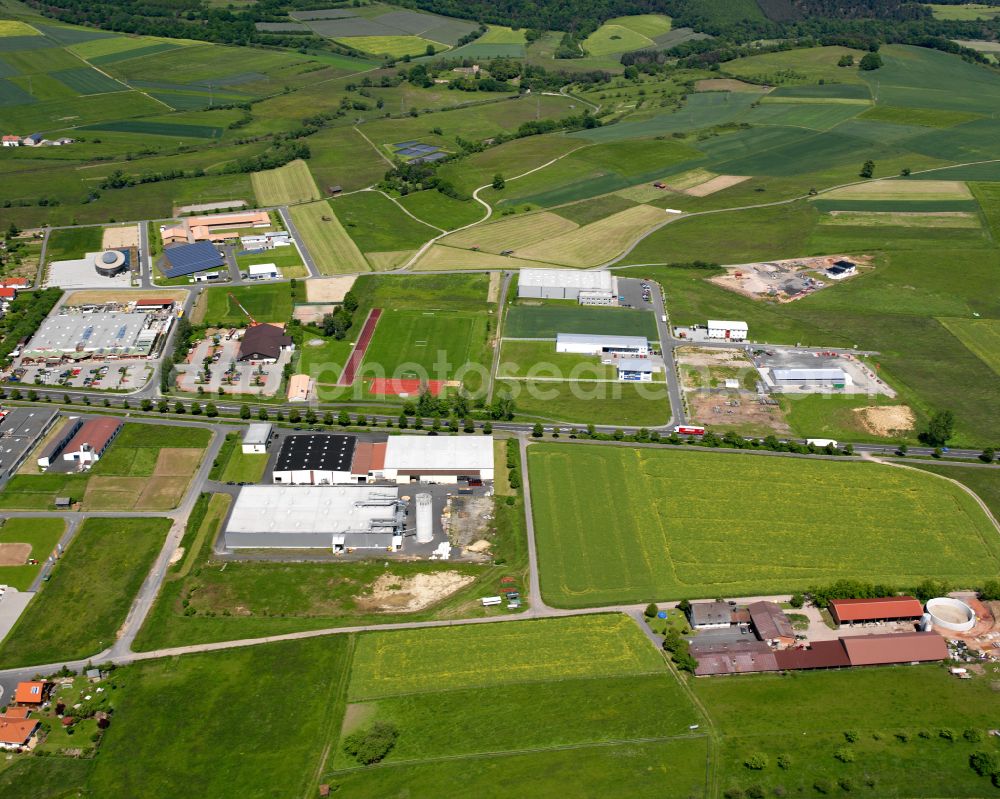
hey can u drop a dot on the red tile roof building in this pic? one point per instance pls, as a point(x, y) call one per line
point(91, 440)
point(887, 608)
point(17, 733)
point(30, 693)
point(771, 623)
point(880, 650)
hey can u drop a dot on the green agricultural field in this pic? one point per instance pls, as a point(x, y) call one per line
point(985, 482)
point(377, 224)
point(797, 66)
point(964, 11)
point(291, 183)
point(79, 612)
point(927, 117)
point(265, 303)
point(988, 196)
point(331, 248)
point(981, 336)
point(392, 46)
point(589, 402)
point(646, 536)
point(498, 34)
point(41, 535)
point(490, 656)
point(442, 211)
point(814, 116)
point(439, 345)
point(615, 37)
point(836, 417)
point(423, 292)
point(286, 259)
point(899, 749)
point(509, 159)
point(13, 27)
point(241, 467)
point(342, 157)
point(39, 491)
point(548, 320)
point(151, 751)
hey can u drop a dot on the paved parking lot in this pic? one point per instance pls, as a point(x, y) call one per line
point(212, 363)
point(631, 289)
point(117, 375)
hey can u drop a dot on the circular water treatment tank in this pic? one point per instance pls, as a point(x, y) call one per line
point(951, 614)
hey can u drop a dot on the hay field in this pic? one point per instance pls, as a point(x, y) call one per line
point(395, 46)
point(407, 661)
point(13, 27)
point(599, 241)
point(611, 38)
point(511, 233)
point(383, 261)
point(331, 248)
point(162, 489)
point(631, 525)
point(907, 219)
point(498, 34)
point(441, 258)
point(291, 183)
point(902, 190)
point(981, 336)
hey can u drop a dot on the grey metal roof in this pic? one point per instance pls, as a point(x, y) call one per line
point(710, 613)
point(809, 374)
point(566, 278)
point(635, 365)
point(257, 433)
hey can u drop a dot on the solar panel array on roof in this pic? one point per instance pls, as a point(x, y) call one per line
point(186, 259)
point(316, 452)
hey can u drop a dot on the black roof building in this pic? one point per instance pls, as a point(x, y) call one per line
point(263, 342)
point(320, 452)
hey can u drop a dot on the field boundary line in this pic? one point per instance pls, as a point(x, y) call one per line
point(526, 751)
point(382, 155)
point(338, 706)
point(404, 209)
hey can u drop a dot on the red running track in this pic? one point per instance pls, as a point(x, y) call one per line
point(405, 387)
point(360, 347)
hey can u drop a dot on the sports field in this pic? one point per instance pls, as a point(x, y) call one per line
point(631, 525)
point(79, 611)
point(547, 321)
point(266, 303)
point(328, 243)
point(427, 344)
point(291, 183)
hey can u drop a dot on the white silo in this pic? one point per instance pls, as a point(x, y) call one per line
point(425, 519)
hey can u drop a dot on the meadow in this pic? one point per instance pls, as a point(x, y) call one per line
point(42, 535)
point(660, 524)
point(511, 233)
point(79, 611)
point(899, 747)
point(265, 303)
point(981, 336)
point(377, 224)
point(331, 248)
point(585, 402)
point(522, 358)
point(291, 183)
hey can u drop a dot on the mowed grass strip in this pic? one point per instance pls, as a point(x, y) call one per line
point(902, 219)
point(584, 401)
point(630, 525)
point(416, 661)
point(547, 321)
point(925, 117)
point(331, 248)
point(511, 233)
point(981, 336)
point(291, 183)
point(902, 190)
point(79, 611)
point(441, 258)
point(599, 241)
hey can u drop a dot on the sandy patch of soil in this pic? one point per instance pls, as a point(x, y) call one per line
point(357, 715)
point(482, 545)
point(328, 289)
point(392, 594)
point(703, 356)
point(886, 421)
point(14, 554)
point(177, 555)
point(312, 314)
point(115, 238)
point(715, 184)
point(748, 417)
point(493, 293)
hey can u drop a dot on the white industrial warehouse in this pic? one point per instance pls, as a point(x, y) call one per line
point(587, 344)
point(101, 334)
point(308, 517)
point(727, 330)
point(587, 288)
point(836, 378)
point(437, 459)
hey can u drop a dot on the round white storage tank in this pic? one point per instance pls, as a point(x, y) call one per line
point(951, 614)
point(425, 519)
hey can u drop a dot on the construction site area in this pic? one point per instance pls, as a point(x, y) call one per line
point(791, 279)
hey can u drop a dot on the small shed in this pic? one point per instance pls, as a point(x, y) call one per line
point(63, 502)
point(256, 438)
